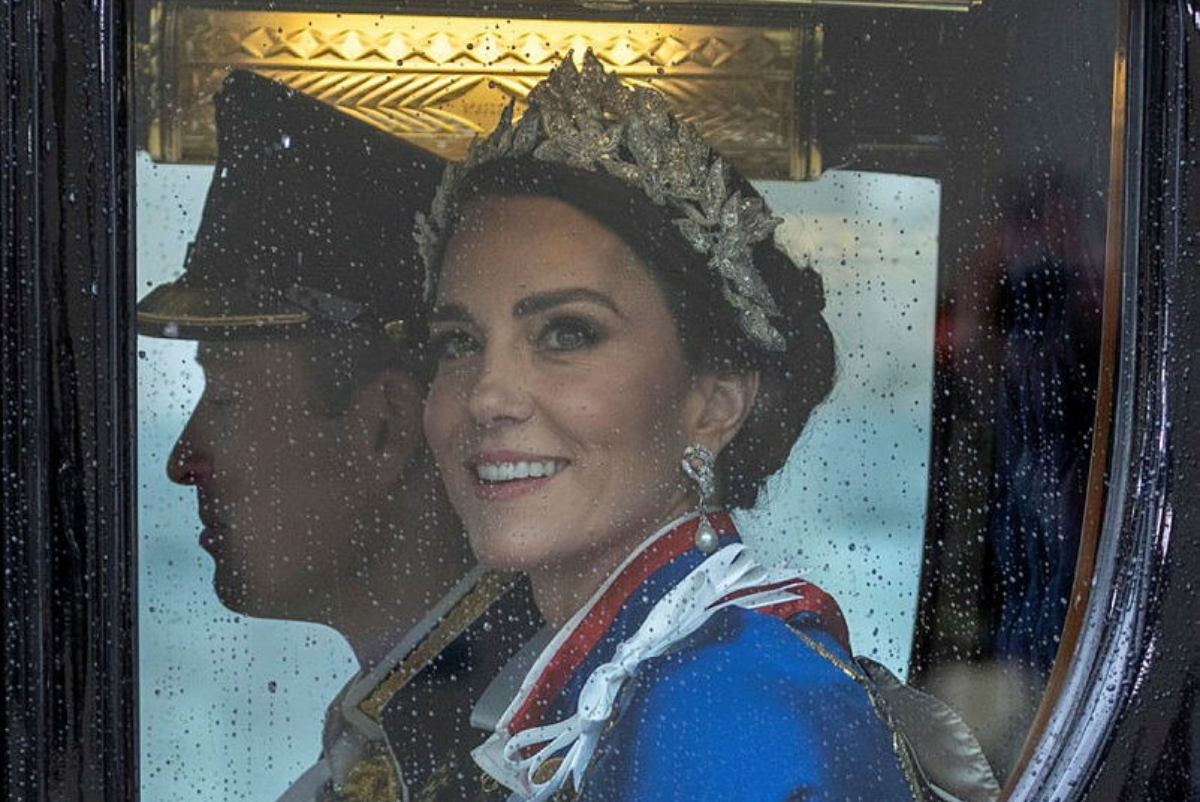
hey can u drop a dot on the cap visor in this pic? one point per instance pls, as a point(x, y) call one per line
point(197, 313)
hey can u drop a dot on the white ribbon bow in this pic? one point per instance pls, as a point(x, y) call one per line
point(701, 594)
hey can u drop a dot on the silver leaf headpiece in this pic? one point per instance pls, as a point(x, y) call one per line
point(588, 120)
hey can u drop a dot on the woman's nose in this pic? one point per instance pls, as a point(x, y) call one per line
point(499, 394)
point(188, 463)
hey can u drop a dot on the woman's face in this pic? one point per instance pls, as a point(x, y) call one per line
point(561, 404)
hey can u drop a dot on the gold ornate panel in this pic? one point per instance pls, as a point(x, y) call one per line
point(439, 81)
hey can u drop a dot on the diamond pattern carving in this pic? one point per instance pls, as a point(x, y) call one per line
point(351, 45)
point(395, 47)
point(440, 81)
point(533, 48)
point(255, 43)
point(305, 44)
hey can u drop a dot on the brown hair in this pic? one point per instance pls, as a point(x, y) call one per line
point(791, 382)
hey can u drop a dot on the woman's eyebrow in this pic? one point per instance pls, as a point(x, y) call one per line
point(543, 301)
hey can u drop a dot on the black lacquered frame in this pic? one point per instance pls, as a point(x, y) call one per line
point(1123, 725)
point(66, 384)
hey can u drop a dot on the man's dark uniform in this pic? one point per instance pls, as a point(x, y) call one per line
point(307, 229)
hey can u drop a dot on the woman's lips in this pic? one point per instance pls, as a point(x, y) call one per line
point(508, 470)
point(502, 476)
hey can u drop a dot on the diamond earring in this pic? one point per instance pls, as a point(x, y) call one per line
point(699, 465)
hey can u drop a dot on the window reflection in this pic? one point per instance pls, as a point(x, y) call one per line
point(1018, 351)
point(304, 450)
point(849, 507)
point(243, 697)
point(230, 704)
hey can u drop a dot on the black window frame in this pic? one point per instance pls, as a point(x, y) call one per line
point(1123, 722)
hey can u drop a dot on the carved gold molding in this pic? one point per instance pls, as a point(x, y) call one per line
point(439, 81)
point(917, 5)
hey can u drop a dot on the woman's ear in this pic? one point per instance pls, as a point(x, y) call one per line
point(722, 401)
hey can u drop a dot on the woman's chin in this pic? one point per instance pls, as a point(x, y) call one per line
point(504, 552)
point(529, 554)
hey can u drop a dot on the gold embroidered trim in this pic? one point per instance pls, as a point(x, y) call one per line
point(482, 595)
point(373, 779)
point(899, 745)
point(439, 780)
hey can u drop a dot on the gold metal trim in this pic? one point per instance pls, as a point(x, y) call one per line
point(226, 321)
point(490, 588)
point(915, 5)
point(440, 81)
point(899, 745)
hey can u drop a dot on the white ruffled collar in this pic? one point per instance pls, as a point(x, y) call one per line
point(517, 752)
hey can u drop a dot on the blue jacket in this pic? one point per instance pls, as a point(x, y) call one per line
point(759, 705)
point(747, 711)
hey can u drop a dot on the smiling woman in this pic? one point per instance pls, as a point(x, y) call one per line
point(867, 556)
point(624, 354)
point(112, 644)
point(556, 351)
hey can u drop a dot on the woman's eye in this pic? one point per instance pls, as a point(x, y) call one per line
point(569, 335)
point(453, 345)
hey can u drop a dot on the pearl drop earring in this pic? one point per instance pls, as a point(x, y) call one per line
point(699, 465)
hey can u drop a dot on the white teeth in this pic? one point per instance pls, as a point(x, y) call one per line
point(508, 471)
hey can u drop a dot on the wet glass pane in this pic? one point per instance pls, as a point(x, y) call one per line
point(231, 705)
point(937, 494)
point(248, 694)
point(849, 507)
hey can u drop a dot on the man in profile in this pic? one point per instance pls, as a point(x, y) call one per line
point(314, 487)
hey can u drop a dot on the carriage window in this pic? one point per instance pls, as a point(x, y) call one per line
point(309, 607)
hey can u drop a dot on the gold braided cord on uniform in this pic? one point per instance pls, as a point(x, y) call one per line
point(482, 595)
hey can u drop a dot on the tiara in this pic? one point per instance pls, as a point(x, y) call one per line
point(588, 120)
